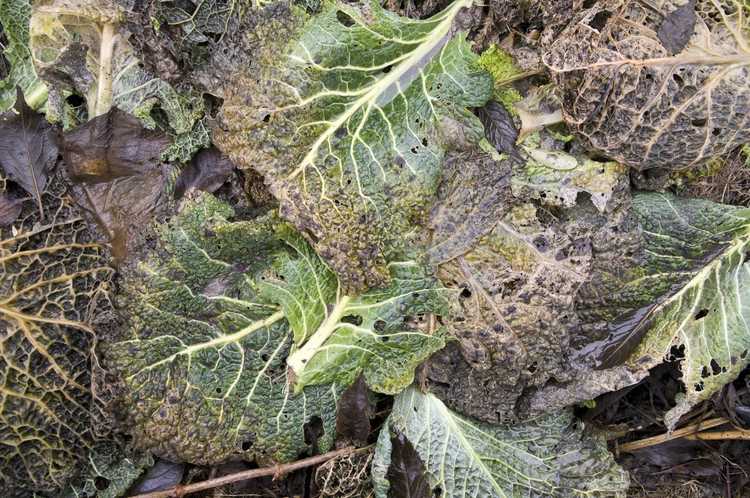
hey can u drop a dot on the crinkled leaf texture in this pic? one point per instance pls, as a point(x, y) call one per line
point(690, 288)
point(344, 126)
point(14, 19)
point(548, 456)
point(626, 93)
point(213, 314)
point(53, 292)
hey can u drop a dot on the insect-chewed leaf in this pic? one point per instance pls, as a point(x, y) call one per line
point(548, 456)
point(690, 288)
point(213, 316)
point(345, 128)
point(634, 99)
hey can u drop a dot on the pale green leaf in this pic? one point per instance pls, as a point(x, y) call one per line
point(547, 456)
point(14, 19)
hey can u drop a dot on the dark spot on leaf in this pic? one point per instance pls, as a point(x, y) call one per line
point(101, 483)
point(406, 473)
point(702, 313)
point(600, 20)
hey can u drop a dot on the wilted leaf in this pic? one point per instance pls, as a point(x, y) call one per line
point(548, 456)
point(53, 289)
point(10, 209)
point(677, 28)
point(499, 128)
point(344, 127)
point(688, 288)
point(631, 99)
point(14, 20)
point(353, 418)
point(118, 177)
point(207, 171)
point(28, 148)
point(406, 473)
point(163, 475)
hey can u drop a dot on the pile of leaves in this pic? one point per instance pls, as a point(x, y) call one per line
point(463, 241)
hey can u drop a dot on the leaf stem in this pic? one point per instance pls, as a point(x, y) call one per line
point(104, 89)
point(299, 358)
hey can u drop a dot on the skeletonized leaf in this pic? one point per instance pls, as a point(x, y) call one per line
point(626, 93)
point(344, 126)
point(53, 290)
point(547, 456)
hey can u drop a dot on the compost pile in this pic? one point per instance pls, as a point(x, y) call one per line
point(412, 249)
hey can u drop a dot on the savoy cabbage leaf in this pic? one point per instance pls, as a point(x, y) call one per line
point(14, 25)
point(547, 456)
point(688, 286)
point(345, 126)
point(644, 102)
point(216, 310)
point(54, 290)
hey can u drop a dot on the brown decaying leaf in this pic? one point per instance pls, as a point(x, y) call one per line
point(207, 171)
point(630, 97)
point(406, 473)
point(677, 28)
point(9, 209)
point(353, 417)
point(117, 173)
point(28, 148)
point(111, 146)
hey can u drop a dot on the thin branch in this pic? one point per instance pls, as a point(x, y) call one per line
point(679, 433)
point(276, 471)
point(720, 435)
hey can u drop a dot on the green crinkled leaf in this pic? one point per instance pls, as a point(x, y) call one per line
point(213, 314)
point(691, 288)
point(14, 19)
point(110, 473)
point(547, 456)
point(345, 128)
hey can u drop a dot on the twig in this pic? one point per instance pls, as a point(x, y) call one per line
point(276, 471)
point(662, 438)
point(719, 435)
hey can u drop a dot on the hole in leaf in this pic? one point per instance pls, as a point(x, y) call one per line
point(218, 390)
point(465, 293)
point(246, 445)
point(344, 18)
point(600, 20)
point(75, 100)
point(266, 118)
point(101, 483)
point(702, 313)
point(704, 372)
point(699, 122)
point(387, 69)
point(353, 319)
point(424, 142)
point(715, 368)
point(379, 325)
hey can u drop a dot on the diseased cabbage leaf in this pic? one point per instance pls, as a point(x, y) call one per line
point(344, 125)
point(547, 456)
point(54, 289)
point(630, 97)
point(14, 21)
point(80, 47)
point(213, 314)
point(690, 287)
